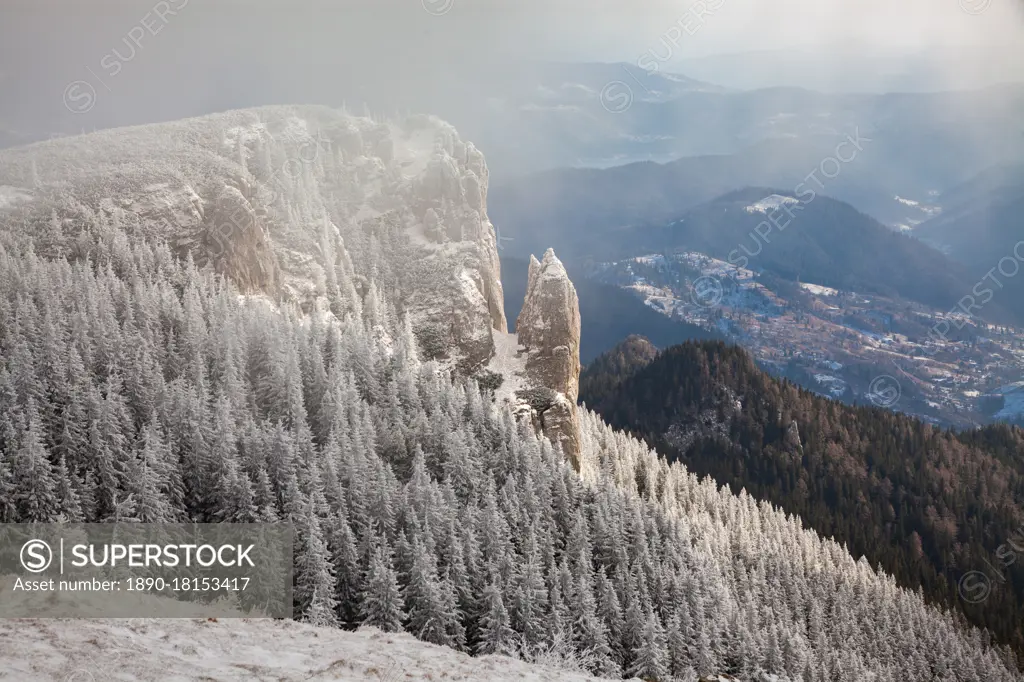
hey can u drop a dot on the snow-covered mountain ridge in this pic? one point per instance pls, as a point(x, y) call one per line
point(292, 203)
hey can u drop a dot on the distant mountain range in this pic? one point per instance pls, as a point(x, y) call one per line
point(860, 68)
point(942, 137)
point(795, 236)
point(820, 241)
point(897, 178)
point(535, 116)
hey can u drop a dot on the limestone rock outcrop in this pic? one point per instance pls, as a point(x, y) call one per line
point(234, 239)
point(295, 204)
point(548, 328)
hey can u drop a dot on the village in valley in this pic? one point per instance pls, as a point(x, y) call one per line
point(842, 344)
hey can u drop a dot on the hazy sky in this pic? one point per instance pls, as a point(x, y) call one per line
point(615, 29)
point(152, 60)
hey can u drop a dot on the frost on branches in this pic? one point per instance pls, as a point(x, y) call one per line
point(136, 387)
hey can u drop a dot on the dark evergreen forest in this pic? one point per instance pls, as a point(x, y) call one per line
point(924, 504)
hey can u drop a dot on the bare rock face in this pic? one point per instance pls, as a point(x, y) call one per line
point(549, 329)
point(455, 318)
point(294, 203)
point(235, 240)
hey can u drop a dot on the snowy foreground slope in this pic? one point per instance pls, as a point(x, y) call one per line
point(285, 651)
point(187, 649)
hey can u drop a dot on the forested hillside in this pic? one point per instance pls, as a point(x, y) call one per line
point(927, 505)
point(136, 388)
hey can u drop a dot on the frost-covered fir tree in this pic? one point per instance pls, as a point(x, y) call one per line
point(496, 634)
point(381, 600)
point(314, 575)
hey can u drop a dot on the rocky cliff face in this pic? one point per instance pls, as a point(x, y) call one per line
point(300, 204)
point(247, 256)
point(325, 210)
point(549, 329)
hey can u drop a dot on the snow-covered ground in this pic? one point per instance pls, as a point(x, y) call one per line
point(509, 363)
point(215, 650)
point(9, 195)
point(1013, 402)
point(660, 298)
point(836, 387)
point(714, 267)
point(176, 650)
point(817, 289)
point(770, 203)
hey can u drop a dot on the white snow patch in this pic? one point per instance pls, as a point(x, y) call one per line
point(714, 267)
point(770, 203)
point(247, 134)
point(580, 87)
point(654, 259)
point(508, 362)
point(1013, 401)
point(836, 386)
point(180, 650)
point(10, 195)
point(818, 290)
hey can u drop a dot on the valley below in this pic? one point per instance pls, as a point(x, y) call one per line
point(853, 347)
